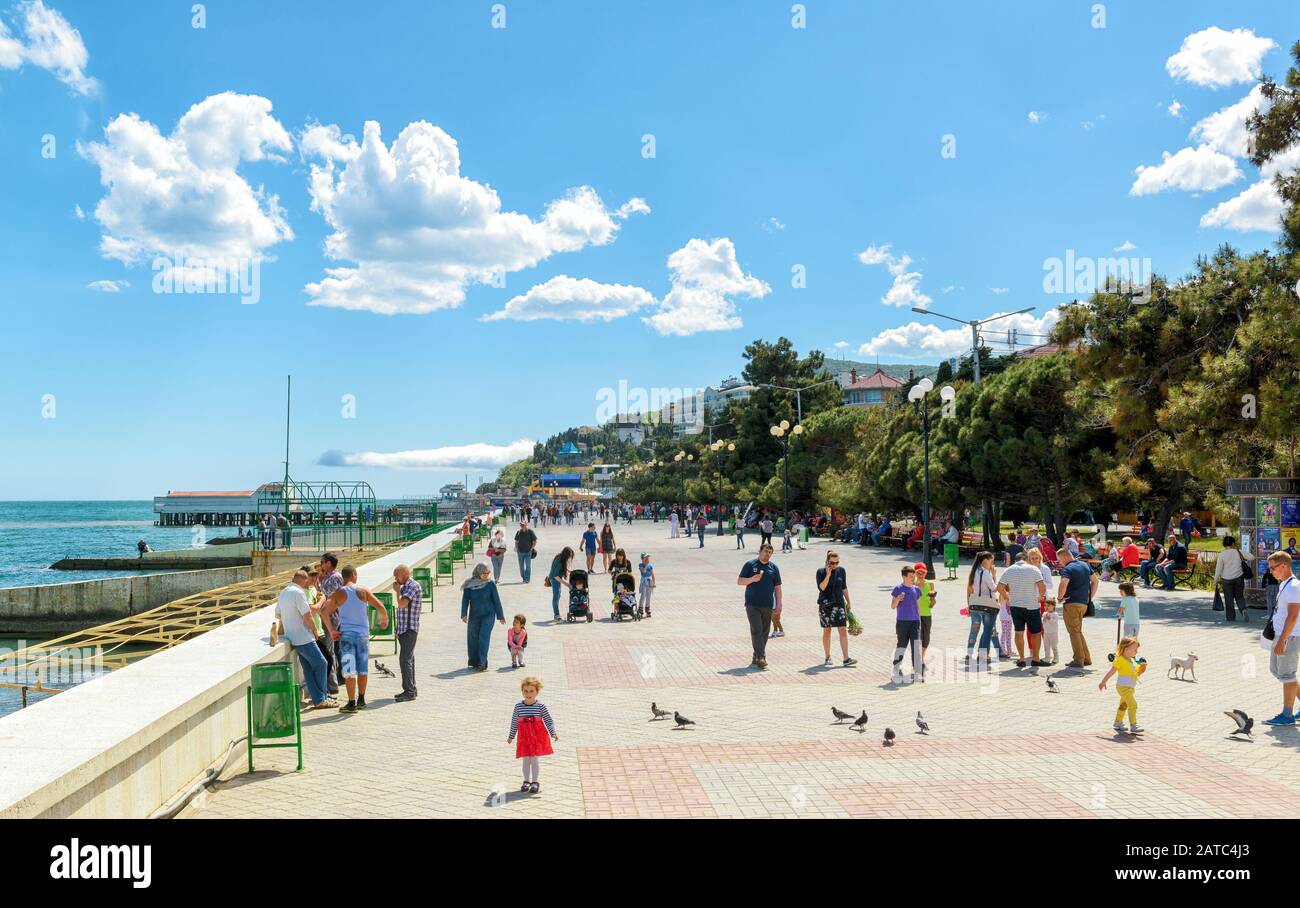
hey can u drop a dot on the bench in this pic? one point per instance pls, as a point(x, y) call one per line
point(1183, 575)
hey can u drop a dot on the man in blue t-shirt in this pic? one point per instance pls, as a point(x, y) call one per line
point(762, 582)
point(1078, 586)
point(589, 546)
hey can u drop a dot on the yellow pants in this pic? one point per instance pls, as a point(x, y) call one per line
point(1127, 702)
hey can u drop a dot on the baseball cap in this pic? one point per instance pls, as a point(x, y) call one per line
point(919, 566)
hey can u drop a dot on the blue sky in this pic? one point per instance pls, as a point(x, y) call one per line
point(774, 147)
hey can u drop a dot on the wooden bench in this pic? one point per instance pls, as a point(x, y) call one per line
point(1184, 575)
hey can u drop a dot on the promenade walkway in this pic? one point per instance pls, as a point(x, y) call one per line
point(764, 744)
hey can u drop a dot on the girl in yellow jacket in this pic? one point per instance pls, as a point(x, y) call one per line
point(1128, 668)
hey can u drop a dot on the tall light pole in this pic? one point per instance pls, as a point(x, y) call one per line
point(779, 432)
point(975, 324)
point(798, 393)
point(717, 448)
point(917, 396)
point(683, 458)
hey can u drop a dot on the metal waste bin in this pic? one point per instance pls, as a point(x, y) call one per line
point(951, 558)
point(424, 577)
point(387, 633)
point(274, 708)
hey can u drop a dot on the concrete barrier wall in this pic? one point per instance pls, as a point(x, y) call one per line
point(60, 608)
point(125, 744)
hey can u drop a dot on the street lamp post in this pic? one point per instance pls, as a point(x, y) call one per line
point(798, 393)
point(779, 432)
point(717, 448)
point(917, 396)
point(986, 511)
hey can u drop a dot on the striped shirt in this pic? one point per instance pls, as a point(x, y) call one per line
point(408, 618)
point(330, 584)
point(523, 710)
point(1021, 581)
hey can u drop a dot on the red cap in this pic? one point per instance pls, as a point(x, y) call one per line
point(919, 566)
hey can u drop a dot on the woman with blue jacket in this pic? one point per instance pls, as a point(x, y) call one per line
point(479, 604)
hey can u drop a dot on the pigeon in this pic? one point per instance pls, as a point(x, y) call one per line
point(921, 724)
point(384, 670)
point(840, 715)
point(1051, 687)
point(681, 720)
point(889, 737)
point(860, 723)
point(1244, 722)
point(658, 713)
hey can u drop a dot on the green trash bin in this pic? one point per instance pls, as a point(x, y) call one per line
point(424, 577)
point(951, 559)
point(445, 568)
point(496, 521)
point(803, 535)
point(273, 709)
point(456, 549)
point(388, 633)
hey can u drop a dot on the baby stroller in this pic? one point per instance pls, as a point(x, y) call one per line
point(625, 599)
point(579, 606)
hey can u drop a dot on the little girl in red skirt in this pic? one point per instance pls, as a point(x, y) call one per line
point(531, 722)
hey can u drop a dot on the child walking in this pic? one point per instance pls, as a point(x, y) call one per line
point(785, 541)
point(1128, 609)
point(647, 583)
point(1004, 616)
point(531, 722)
point(516, 640)
point(1128, 667)
point(1051, 631)
point(907, 623)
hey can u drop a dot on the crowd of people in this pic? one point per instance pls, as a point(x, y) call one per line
point(1014, 608)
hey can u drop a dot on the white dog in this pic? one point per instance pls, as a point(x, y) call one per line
point(1182, 665)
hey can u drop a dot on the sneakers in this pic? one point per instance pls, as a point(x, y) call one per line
point(829, 662)
point(1119, 727)
point(361, 703)
point(848, 663)
point(404, 697)
point(1282, 718)
point(1020, 663)
point(349, 707)
point(1136, 729)
point(761, 663)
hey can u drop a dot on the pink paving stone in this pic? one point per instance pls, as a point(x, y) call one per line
point(608, 773)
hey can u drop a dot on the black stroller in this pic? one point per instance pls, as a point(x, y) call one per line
point(624, 604)
point(579, 604)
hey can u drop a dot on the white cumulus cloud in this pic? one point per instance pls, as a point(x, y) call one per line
point(704, 278)
point(477, 456)
point(906, 289)
point(1259, 207)
point(418, 232)
point(564, 298)
point(183, 193)
point(1036, 116)
point(108, 286)
point(1215, 58)
point(1190, 169)
point(41, 37)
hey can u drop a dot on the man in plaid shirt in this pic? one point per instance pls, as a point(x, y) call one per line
point(409, 600)
point(330, 582)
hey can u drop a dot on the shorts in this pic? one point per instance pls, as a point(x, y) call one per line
point(1284, 667)
point(1031, 617)
point(925, 630)
point(1130, 630)
point(832, 616)
point(354, 654)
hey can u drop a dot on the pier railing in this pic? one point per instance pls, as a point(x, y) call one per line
point(319, 537)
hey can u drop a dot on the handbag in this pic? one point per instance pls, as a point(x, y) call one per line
point(546, 581)
point(981, 602)
point(1247, 572)
point(1092, 610)
point(532, 553)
